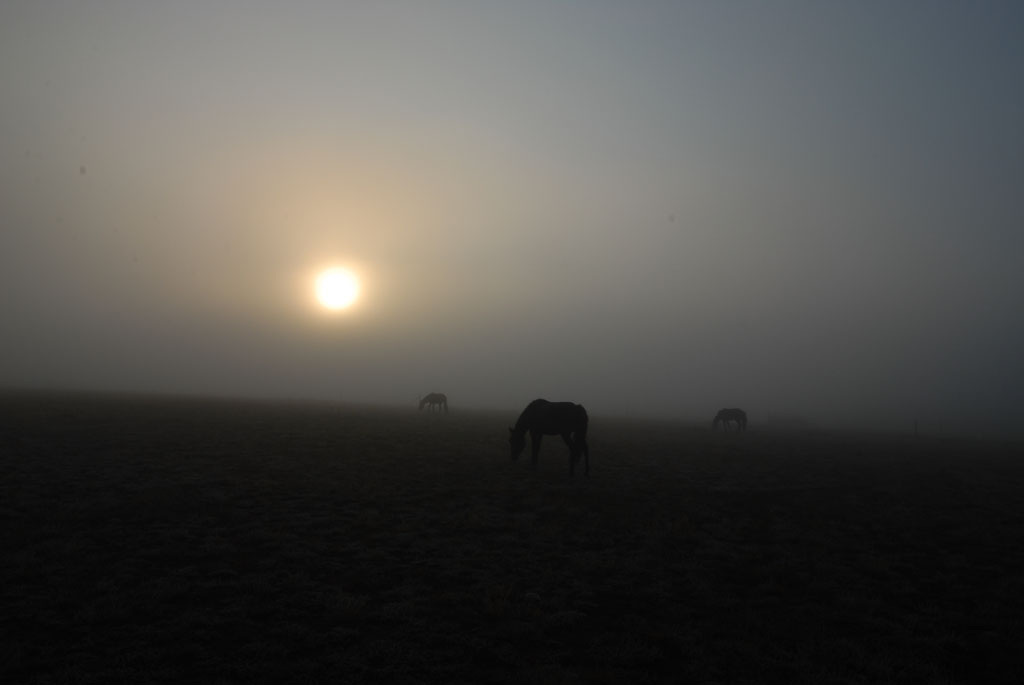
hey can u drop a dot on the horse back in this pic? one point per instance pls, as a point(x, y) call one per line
point(553, 418)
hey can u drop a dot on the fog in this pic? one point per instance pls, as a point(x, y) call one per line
point(809, 210)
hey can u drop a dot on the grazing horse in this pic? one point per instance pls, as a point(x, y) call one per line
point(725, 416)
point(435, 398)
point(552, 418)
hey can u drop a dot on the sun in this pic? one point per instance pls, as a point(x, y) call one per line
point(337, 288)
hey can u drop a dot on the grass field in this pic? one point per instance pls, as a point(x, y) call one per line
point(173, 540)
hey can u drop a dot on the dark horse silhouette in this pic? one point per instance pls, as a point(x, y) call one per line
point(725, 416)
point(552, 418)
point(435, 398)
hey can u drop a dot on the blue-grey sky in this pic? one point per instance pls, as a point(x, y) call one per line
point(807, 209)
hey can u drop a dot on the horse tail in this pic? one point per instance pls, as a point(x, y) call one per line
point(584, 420)
point(582, 448)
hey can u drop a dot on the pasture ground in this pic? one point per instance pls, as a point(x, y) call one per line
point(174, 540)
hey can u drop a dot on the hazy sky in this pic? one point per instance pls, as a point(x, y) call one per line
point(807, 209)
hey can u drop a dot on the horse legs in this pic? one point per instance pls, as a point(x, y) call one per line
point(577, 448)
point(574, 452)
point(535, 445)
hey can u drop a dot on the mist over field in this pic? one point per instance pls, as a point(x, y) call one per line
point(240, 243)
point(812, 212)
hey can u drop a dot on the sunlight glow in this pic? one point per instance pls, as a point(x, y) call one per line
point(337, 288)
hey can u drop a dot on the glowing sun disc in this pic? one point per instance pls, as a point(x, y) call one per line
point(337, 288)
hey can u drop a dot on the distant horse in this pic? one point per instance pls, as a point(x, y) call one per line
point(552, 418)
point(725, 416)
point(435, 398)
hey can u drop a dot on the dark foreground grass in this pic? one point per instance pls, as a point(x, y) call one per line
point(158, 540)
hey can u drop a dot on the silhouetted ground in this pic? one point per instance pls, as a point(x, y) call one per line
point(161, 540)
